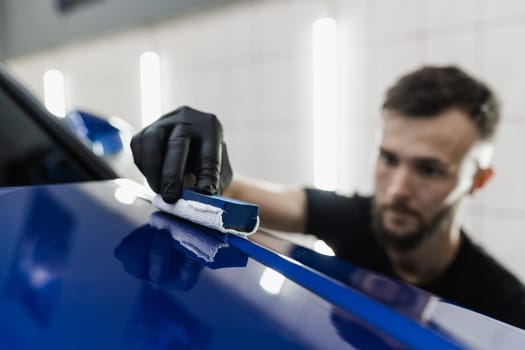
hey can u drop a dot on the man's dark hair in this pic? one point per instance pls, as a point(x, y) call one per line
point(429, 91)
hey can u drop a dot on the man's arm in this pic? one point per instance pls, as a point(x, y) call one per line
point(281, 208)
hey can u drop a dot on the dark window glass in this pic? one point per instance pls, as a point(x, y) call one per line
point(28, 156)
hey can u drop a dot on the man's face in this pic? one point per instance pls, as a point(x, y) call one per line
point(425, 166)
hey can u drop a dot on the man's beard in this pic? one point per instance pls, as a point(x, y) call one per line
point(409, 240)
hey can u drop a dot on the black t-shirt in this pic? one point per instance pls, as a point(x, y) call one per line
point(474, 279)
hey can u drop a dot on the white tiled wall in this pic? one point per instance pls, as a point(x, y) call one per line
point(250, 63)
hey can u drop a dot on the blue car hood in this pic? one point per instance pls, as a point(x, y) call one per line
point(94, 266)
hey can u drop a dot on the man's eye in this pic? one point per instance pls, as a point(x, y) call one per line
point(430, 170)
point(389, 158)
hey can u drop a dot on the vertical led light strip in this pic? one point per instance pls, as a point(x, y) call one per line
point(325, 103)
point(150, 87)
point(54, 95)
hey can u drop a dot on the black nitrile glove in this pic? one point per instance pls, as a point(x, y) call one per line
point(185, 141)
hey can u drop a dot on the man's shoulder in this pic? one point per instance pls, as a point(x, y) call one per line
point(495, 284)
point(486, 267)
point(478, 281)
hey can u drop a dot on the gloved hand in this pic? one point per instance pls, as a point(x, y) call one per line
point(185, 141)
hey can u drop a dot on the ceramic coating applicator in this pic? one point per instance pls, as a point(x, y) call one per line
point(219, 213)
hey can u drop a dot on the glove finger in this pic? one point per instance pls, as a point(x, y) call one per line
point(136, 149)
point(152, 155)
point(208, 167)
point(175, 163)
point(226, 173)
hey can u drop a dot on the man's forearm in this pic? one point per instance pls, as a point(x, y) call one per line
point(281, 208)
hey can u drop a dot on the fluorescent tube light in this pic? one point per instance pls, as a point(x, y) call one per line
point(54, 99)
point(150, 87)
point(325, 103)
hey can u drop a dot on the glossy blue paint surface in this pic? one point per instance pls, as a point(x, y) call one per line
point(89, 266)
point(96, 131)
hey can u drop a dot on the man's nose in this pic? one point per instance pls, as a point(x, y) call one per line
point(401, 183)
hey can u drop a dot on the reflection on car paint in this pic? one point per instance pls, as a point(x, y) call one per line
point(160, 322)
point(199, 241)
point(40, 257)
point(405, 299)
point(170, 253)
point(360, 334)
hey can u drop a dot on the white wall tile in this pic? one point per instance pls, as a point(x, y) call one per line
point(274, 27)
point(384, 65)
point(503, 59)
point(395, 19)
point(356, 159)
point(352, 20)
point(277, 155)
point(506, 190)
point(241, 94)
point(462, 49)
point(450, 14)
point(30, 75)
point(201, 40)
point(277, 84)
point(497, 9)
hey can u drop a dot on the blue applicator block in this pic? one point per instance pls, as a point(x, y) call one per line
point(237, 215)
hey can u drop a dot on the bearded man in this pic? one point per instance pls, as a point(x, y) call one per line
point(435, 150)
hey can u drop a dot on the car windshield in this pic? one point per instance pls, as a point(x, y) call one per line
point(29, 155)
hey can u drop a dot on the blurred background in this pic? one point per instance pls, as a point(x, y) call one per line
point(255, 65)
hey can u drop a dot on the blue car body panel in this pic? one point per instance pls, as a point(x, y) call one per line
point(103, 137)
point(94, 266)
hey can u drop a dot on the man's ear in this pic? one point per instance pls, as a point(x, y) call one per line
point(481, 178)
